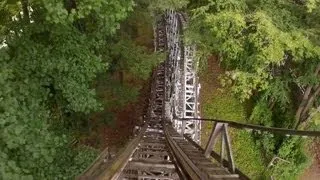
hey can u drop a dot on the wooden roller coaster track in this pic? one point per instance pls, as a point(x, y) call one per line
point(159, 151)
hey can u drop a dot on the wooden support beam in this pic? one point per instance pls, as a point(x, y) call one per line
point(217, 128)
point(222, 148)
point(273, 130)
point(227, 176)
point(183, 127)
point(151, 165)
point(218, 158)
point(187, 164)
point(228, 148)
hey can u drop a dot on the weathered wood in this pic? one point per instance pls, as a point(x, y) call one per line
point(222, 147)
point(95, 172)
point(212, 140)
point(145, 177)
point(218, 158)
point(183, 127)
point(159, 152)
point(183, 159)
point(151, 163)
point(225, 176)
point(154, 145)
point(148, 164)
point(228, 148)
point(274, 130)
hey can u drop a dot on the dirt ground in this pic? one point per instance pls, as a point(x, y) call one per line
point(209, 79)
point(119, 131)
point(209, 83)
point(313, 172)
point(127, 119)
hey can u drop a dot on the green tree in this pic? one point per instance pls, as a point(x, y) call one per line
point(270, 51)
point(162, 5)
point(269, 48)
point(50, 54)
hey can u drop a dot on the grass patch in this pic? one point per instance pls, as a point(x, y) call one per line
point(222, 105)
point(219, 103)
point(247, 154)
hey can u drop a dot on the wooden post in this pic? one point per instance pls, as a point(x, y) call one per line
point(225, 144)
point(183, 127)
point(228, 147)
point(222, 148)
point(212, 140)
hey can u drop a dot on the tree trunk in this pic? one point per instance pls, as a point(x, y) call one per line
point(70, 4)
point(25, 10)
point(271, 103)
point(310, 102)
point(305, 101)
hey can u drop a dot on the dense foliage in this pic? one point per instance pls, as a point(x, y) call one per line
point(269, 48)
point(270, 51)
point(61, 60)
point(50, 55)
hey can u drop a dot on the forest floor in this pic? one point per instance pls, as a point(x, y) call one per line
point(119, 130)
point(116, 133)
point(313, 172)
point(209, 83)
point(126, 120)
point(218, 102)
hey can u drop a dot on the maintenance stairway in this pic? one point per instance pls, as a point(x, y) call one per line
point(166, 147)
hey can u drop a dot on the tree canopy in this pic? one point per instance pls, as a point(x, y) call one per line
point(270, 51)
point(62, 59)
point(50, 55)
point(269, 48)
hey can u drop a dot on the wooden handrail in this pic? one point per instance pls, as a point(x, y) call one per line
point(273, 130)
point(218, 158)
point(102, 170)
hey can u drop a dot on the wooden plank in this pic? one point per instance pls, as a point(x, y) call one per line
point(273, 130)
point(138, 177)
point(212, 140)
point(154, 153)
point(222, 147)
point(142, 163)
point(218, 158)
point(228, 148)
point(187, 165)
point(153, 144)
point(195, 158)
point(95, 172)
point(219, 176)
